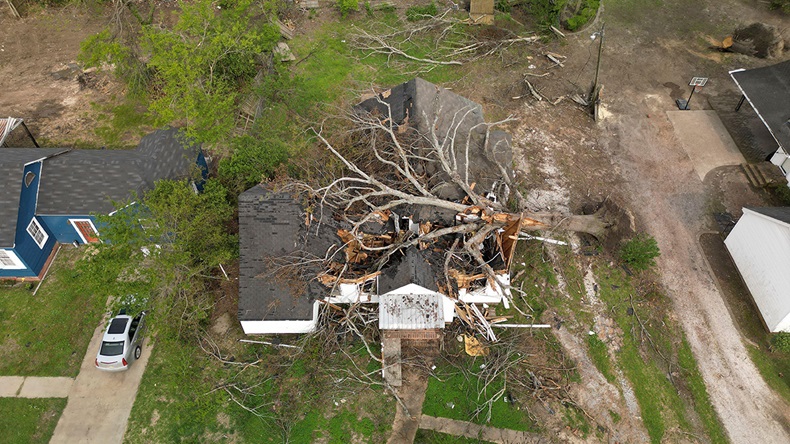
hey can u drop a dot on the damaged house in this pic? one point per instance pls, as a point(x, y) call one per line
point(421, 230)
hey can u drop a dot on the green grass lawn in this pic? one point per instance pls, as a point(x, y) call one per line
point(29, 421)
point(456, 391)
point(47, 334)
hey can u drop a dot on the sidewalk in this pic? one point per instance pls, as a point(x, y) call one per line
point(99, 403)
point(35, 387)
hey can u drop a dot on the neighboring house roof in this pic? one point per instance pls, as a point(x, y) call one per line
point(88, 181)
point(768, 91)
point(272, 229)
point(781, 214)
point(81, 182)
point(760, 247)
point(12, 162)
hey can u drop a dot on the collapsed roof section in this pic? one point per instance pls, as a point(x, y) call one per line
point(457, 122)
point(292, 259)
point(360, 240)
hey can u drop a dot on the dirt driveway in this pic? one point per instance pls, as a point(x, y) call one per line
point(669, 199)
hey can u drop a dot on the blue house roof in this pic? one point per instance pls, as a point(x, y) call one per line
point(82, 182)
point(12, 162)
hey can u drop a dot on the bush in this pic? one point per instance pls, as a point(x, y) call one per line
point(781, 342)
point(583, 16)
point(502, 5)
point(347, 6)
point(781, 192)
point(640, 252)
point(253, 159)
point(416, 13)
point(784, 5)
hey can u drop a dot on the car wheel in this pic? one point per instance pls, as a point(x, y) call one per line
point(137, 352)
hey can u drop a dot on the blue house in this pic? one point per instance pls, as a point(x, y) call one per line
point(50, 195)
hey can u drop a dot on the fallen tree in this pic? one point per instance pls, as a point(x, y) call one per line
point(424, 170)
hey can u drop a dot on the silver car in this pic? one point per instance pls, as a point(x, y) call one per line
point(122, 343)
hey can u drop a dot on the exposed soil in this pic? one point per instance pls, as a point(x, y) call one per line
point(39, 77)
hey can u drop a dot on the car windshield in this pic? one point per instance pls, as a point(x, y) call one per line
point(111, 348)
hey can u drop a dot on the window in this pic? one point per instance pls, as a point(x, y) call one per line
point(85, 230)
point(29, 178)
point(36, 231)
point(111, 348)
point(9, 261)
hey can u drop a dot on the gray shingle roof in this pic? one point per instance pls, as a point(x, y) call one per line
point(768, 90)
point(271, 228)
point(81, 182)
point(87, 181)
point(12, 161)
point(413, 267)
point(778, 213)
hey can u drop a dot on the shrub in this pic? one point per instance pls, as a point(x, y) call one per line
point(253, 159)
point(347, 6)
point(780, 191)
point(502, 5)
point(416, 13)
point(640, 252)
point(784, 5)
point(781, 342)
point(585, 14)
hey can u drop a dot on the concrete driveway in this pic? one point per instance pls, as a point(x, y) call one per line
point(99, 402)
point(705, 140)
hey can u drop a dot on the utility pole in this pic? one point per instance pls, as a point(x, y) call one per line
point(598, 65)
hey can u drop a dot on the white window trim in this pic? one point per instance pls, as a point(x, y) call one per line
point(79, 233)
point(41, 230)
point(18, 265)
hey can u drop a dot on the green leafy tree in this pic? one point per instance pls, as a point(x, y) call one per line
point(164, 248)
point(194, 71)
point(200, 64)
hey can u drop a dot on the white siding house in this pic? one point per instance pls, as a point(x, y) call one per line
point(760, 247)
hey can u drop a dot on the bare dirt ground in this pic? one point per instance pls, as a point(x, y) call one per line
point(672, 204)
point(39, 77)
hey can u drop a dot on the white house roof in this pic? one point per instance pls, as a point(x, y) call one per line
point(411, 307)
point(760, 247)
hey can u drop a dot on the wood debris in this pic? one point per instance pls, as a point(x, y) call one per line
point(555, 59)
point(557, 32)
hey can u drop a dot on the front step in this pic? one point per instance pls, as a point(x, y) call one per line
point(754, 175)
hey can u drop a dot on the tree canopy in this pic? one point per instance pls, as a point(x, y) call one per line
point(194, 71)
